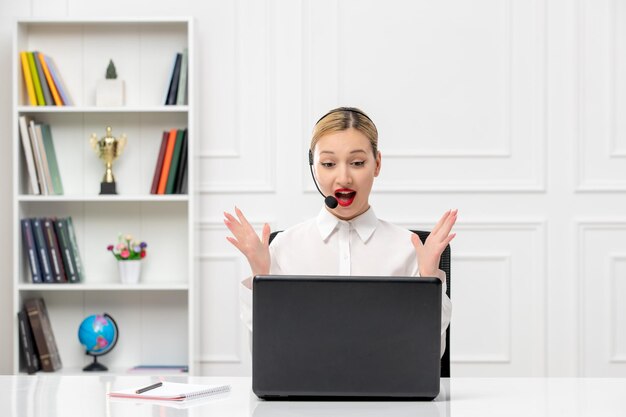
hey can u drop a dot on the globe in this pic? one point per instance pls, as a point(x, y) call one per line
point(98, 333)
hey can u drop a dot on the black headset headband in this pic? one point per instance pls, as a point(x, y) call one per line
point(348, 109)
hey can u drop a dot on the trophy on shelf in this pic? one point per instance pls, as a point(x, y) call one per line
point(108, 149)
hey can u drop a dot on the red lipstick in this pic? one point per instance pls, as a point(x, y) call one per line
point(345, 196)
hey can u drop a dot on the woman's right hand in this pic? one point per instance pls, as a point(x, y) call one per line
point(246, 240)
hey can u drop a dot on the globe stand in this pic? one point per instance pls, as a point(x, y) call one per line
point(95, 366)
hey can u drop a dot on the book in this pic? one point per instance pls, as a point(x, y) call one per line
point(167, 161)
point(44, 159)
point(182, 166)
point(159, 164)
point(58, 270)
point(74, 245)
point(171, 95)
point(53, 165)
point(28, 79)
point(181, 94)
point(35, 76)
point(30, 250)
point(58, 81)
point(171, 177)
point(42, 250)
point(43, 335)
point(28, 155)
point(46, 72)
point(152, 369)
point(47, 95)
point(171, 391)
point(65, 249)
point(28, 351)
point(37, 150)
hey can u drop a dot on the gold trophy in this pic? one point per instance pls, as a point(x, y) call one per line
point(108, 149)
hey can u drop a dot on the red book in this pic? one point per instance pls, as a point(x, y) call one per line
point(159, 164)
point(167, 161)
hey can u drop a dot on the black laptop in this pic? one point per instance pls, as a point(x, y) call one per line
point(346, 337)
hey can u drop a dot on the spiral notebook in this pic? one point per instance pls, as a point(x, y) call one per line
point(172, 391)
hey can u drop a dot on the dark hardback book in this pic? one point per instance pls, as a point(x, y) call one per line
point(182, 166)
point(58, 270)
point(75, 252)
point(183, 187)
point(159, 164)
point(43, 335)
point(42, 250)
point(65, 248)
point(29, 358)
point(30, 250)
point(171, 179)
point(172, 93)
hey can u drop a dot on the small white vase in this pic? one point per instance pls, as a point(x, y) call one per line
point(110, 93)
point(129, 271)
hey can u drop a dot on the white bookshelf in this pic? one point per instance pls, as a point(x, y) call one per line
point(155, 317)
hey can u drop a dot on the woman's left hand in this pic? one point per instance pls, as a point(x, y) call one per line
point(429, 252)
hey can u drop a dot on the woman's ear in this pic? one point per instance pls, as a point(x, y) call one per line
point(378, 160)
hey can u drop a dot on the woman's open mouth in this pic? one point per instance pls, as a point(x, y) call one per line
point(345, 196)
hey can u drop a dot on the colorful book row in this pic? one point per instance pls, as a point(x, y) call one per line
point(41, 158)
point(44, 85)
point(170, 172)
point(38, 348)
point(176, 93)
point(52, 250)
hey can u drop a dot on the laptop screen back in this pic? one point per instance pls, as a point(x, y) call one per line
point(346, 336)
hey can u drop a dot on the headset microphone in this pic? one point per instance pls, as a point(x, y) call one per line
point(331, 202)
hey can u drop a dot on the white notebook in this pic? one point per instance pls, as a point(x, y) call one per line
point(172, 391)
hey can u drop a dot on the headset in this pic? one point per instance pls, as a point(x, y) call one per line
point(330, 201)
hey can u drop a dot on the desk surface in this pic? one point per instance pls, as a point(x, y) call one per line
point(68, 396)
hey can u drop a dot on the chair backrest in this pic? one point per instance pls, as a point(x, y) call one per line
point(444, 265)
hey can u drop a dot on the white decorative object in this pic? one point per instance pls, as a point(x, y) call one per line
point(110, 91)
point(129, 271)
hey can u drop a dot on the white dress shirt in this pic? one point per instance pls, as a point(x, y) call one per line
point(326, 245)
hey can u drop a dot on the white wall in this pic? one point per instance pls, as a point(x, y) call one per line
point(507, 109)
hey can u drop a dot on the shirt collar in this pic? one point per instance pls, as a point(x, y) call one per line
point(365, 224)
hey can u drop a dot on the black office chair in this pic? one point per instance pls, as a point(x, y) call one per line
point(444, 265)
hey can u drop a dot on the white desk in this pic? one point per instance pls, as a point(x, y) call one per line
point(68, 396)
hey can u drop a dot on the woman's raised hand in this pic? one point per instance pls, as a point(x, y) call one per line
point(429, 253)
point(246, 240)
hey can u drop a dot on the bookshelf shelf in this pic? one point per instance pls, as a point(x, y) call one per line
point(163, 302)
point(104, 287)
point(44, 199)
point(90, 109)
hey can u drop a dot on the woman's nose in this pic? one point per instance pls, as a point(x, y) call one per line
point(344, 177)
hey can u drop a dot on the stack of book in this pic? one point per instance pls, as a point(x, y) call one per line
point(41, 158)
point(170, 172)
point(44, 85)
point(51, 250)
point(176, 93)
point(38, 348)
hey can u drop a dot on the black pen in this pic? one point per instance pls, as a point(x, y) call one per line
point(148, 388)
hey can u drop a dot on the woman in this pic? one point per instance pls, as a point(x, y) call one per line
point(348, 239)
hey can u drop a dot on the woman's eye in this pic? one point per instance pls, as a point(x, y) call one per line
point(358, 163)
point(327, 164)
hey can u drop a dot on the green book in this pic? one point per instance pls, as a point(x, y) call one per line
point(33, 73)
point(74, 248)
point(181, 94)
point(53, 165)
point(171, 177)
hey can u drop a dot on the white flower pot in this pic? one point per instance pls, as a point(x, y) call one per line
point(129, 271)
point(110, 93)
